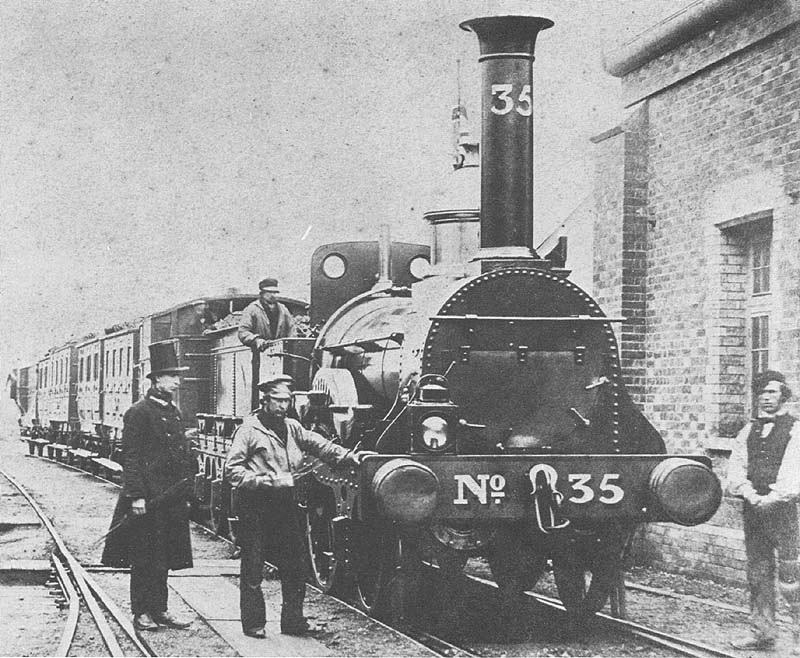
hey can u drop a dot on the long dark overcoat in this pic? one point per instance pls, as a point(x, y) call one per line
point(157, 466)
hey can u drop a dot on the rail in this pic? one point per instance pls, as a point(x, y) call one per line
point(92, 595)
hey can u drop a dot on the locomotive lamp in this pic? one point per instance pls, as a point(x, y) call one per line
point(432, 417)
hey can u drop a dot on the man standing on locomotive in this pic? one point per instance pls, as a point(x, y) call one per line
point(764, 470)
point(266, 318)
point(264, 464)
point(150, 527)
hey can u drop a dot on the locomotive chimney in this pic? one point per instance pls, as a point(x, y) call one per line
point(506, 47)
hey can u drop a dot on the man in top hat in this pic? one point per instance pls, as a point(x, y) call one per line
point(150, 527)
point(264, 465)
point(764, 470)
point(266, 318)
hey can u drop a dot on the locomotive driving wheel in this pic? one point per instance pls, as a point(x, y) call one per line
point(387, 571)
point(326, 557)
point(377, 555)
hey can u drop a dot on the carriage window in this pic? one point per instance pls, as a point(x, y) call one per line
point(80, 369)
point(128, 368)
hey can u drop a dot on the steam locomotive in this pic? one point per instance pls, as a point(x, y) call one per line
point(493, 394)
point(489, 390)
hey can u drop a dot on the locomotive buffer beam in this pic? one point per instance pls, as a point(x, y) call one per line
point(590, 488)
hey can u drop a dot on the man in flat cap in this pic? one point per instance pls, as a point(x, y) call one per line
point(266, 318)
point(150, 527)
point(264, 464)
point(764, 470)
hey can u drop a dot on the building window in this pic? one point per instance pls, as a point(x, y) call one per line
point(760, 250)
point(746, 305)
point(759, 343)
point(760, 300)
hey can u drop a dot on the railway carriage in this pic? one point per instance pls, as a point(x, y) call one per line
point(55, 393)
point(88, 387)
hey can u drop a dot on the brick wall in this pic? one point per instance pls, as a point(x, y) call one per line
point(621, 240)
point(716, 131)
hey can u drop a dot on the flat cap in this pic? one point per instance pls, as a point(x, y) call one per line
point(270, 285)
point(277, 387)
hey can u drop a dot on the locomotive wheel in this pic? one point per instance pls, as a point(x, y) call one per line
point(377, 558)
point(516, 569)
point(387, 575)
point(584, 589)
point(218, 508)
point(324, 554)
point(515, 566)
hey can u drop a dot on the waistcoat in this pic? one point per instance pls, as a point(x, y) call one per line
point(764, 455)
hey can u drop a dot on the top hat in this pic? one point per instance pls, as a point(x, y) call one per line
point(163, 360)
point(268, 285)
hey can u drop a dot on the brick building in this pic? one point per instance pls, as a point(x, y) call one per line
point(697, 235)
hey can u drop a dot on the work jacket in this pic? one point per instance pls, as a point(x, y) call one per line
point(254, 324)
point(259, 459)
point(157, 466)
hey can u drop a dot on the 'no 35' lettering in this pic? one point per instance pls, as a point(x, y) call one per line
point(583, 488)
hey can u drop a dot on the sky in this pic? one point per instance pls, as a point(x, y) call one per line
point(156, 151)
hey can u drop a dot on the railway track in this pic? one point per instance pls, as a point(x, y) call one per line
point(427, 642)
point(681, 645)
point(79, 588)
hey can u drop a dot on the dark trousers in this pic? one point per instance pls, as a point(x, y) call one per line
point(271, 527)
point(148, 589)
point(767, 533)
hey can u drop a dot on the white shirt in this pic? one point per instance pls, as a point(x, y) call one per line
point(787, 485)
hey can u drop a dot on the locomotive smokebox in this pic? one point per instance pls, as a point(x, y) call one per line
point(506, 46)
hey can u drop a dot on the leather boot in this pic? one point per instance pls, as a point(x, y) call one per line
point(292, 620)
point(144, 622)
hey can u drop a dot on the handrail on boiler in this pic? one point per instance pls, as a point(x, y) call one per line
point(528, 318)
